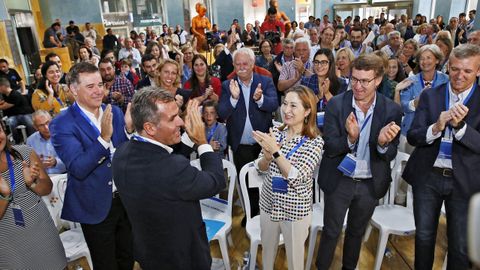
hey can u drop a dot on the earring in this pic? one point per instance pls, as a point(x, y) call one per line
point(305, 120)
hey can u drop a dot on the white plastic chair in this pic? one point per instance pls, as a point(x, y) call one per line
point(390, 218)
point(73, 240)
point(255, 180)
point(221, 210)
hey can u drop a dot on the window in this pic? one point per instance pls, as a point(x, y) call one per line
point(114, 6)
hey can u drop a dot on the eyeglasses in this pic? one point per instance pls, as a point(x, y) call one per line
point(363, 82)
point(321, 63)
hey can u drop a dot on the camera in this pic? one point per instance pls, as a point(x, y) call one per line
point(211, 39)
point(215, 71)
point(274, 37)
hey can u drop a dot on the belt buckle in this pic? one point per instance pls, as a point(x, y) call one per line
point(447, 173)
point(356, 179)
point(115, 195)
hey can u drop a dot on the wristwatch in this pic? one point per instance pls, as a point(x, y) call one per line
point(276, 155)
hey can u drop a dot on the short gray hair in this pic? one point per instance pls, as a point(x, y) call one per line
point(433, 48)
point(394, 33)
point(39, 113)
point(144, 105)
point(464, 51)
point(245, 51)
point(303, 40)
point(287, 41)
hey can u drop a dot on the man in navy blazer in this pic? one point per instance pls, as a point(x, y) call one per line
point(363, 125)
point(246, 104)
point(85, 137)
point(161, 190)
point(444, 167)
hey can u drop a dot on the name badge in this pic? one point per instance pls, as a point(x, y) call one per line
point(279, 185)
point(320, 119)
point(18, 215)
point(348, 165)
point(445, 149)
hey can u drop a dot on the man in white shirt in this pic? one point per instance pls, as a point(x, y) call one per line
point(89, 32)
point(131, 53)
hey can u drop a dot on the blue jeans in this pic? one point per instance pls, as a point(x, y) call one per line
point(21, 119)
point(428, 197)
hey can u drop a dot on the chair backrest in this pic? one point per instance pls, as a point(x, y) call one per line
point(54, 200)
point(231, 177)
point(255, 180)
point(399, 162)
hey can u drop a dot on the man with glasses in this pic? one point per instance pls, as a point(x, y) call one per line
point(361, 137)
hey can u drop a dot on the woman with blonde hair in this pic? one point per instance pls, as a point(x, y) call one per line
point(169, 79)
point(289, 156)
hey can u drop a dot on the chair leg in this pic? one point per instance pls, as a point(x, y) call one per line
point(230, 240)
point(253, 255)
point(311, 247)
point(367, 232)
point(222, 242)
point(382, 244)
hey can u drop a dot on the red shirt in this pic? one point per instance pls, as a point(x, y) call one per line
point(269, 26)
point(214, 82)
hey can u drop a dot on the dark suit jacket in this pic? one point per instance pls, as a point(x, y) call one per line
point(225, 61)
point(89, 188)
point(161, 194)
point(261, 118)
point(465, 153)
point(144, 82)
point(336, 145)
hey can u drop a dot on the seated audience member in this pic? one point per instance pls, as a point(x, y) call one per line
point(86, 55)
point(90, 43)
point(203, 86)
point(324, 83)
point(407, 56)
point(16, 82)
point(41, 143)
point(118, 89)
point(89, 32)
point(51, 95)
point(343, 60)
point(293, 71)
point(50, 39)
point(394, 44)
point(140, 45)
point(128, 72)
point(394, 74)
point(248, 36)
point(187, 68)
point(266, 57)
point(149, 66)
point(55, 58)
point(131, 53)
point(216, 133)
point(16, 108)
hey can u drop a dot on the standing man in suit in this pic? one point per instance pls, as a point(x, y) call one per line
point(444, 167)
point(161, 190)
point(85, 137)
point(247, 103)
point(361, 138)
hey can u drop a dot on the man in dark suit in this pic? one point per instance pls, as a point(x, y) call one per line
point(85, 137)
point(161, 190)
point(247, 103)
point(225, 59)
point(361, 138)
point(444, 167)
point(149, 66)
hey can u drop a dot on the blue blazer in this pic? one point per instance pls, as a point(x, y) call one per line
point(465, 153)
point(261, 118)
point(412, 92)
point(336, 145)
point(89, 190)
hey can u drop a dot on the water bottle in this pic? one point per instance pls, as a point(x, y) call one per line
point(246, 261)
point(388, 253)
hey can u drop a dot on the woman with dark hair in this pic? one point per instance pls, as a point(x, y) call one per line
point(266, 57)
point(86, 55)
point(325, 83)
point(28, 236)
point(203, 86)
point(155, 49)
point(51, 95)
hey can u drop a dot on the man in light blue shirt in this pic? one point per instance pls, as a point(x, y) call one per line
point(41, 143)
